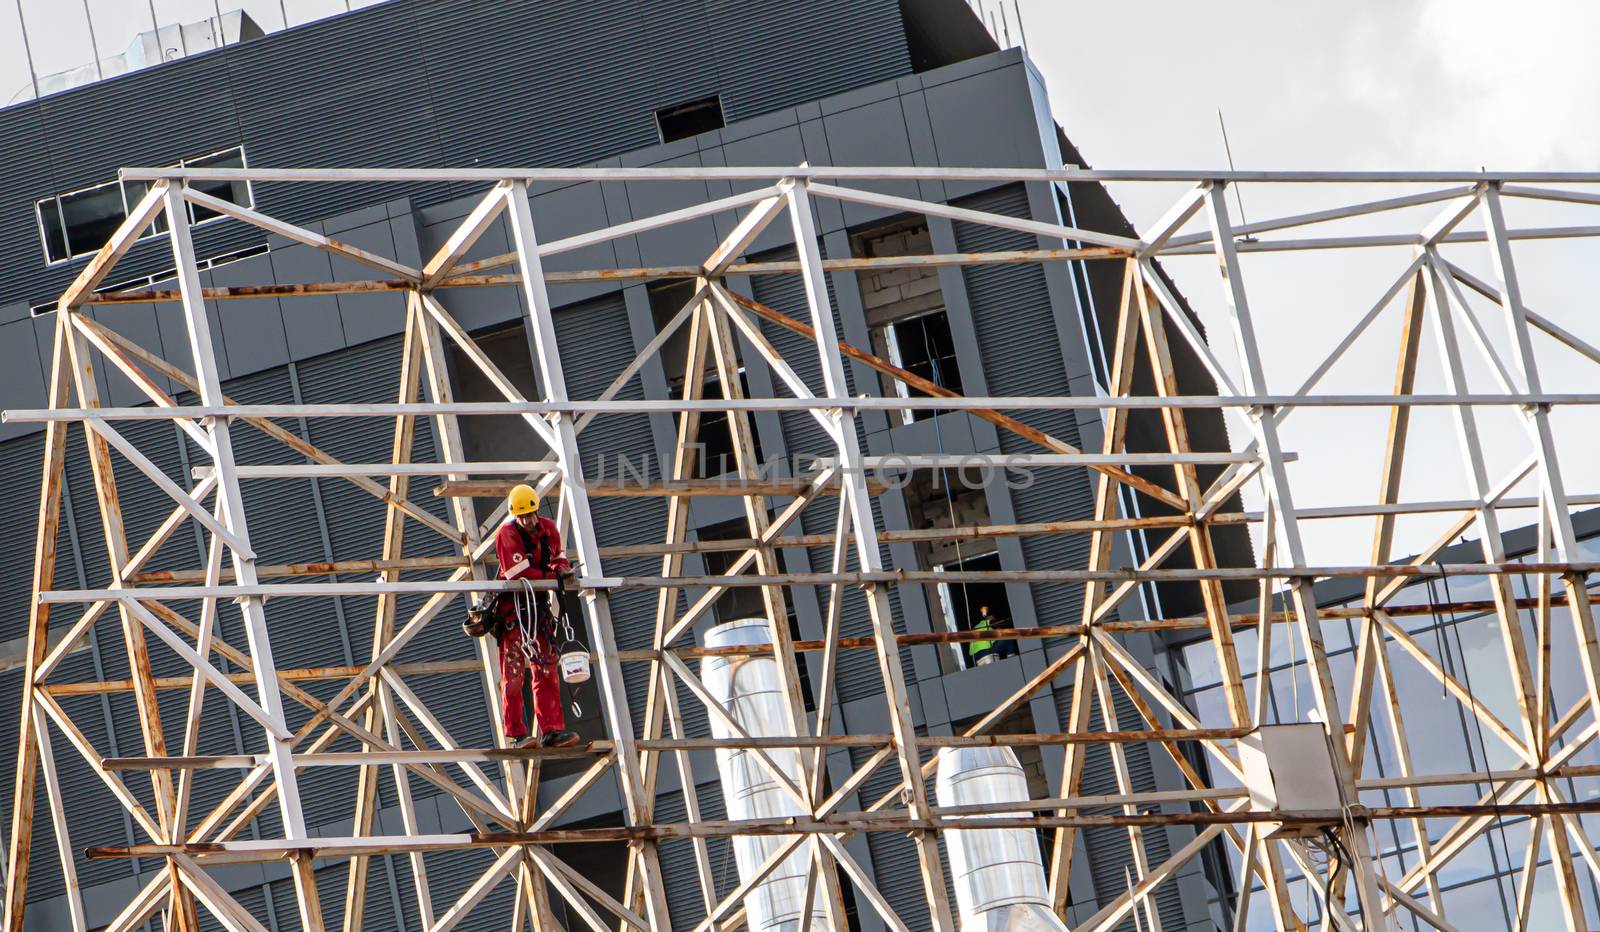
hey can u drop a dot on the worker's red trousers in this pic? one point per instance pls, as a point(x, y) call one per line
point(546, 687)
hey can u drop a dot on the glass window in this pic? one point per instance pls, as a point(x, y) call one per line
point(132, 193)
point(51, 230)
point(79, 223)
point(234, 192)
point(923, 346)
point(90, 217)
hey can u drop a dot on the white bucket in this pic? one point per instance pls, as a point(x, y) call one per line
point(575, 666)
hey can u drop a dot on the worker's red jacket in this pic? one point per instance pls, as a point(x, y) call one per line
point(532, 554)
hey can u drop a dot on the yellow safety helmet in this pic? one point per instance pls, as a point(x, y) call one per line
point(523, 499)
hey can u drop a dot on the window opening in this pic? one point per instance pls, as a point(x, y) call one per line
point(951, 498)
point(716, 432)
point(234, 192)
point(923, 346)
point(681, 121)
point(972, 606)
point(78, 223)
point(905, 312)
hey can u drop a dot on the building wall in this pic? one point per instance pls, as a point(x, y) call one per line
point(1020, 329)
point(427, 83)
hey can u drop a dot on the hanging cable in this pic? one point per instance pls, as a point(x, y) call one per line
point(1466, 677)
point(936, 377)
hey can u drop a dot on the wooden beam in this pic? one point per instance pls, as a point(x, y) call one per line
point(686, 488)
point(46, 536)
point(927, 387)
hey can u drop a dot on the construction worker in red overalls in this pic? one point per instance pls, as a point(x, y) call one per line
point(528, 546)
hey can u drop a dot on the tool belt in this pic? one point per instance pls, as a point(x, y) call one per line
point(494, 616)
point(500, 612)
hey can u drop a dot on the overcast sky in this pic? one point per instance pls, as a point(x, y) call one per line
point(1440, 84)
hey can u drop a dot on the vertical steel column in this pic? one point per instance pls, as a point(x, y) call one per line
point(854, 483)
point(1564, 536)
point(279, 750)
point(597, 602)
point(1264, 424)
point(47, 536)
point(1558, 513)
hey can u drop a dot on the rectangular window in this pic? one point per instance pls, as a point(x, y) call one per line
point(905, 312)
point(234, 192)
point(971, 605)
point(90, 217)
point(681, 121)
point(80, 222)
point(953, 498)
point(923, 346)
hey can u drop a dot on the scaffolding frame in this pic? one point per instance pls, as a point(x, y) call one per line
point(395, 730)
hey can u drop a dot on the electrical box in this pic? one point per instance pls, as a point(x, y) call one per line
point(1289, 769)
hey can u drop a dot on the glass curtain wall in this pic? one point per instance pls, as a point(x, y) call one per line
point(1479, 885)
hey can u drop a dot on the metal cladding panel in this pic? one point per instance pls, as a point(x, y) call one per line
point(554, 77)
point(1109, 849)
point(46, 869)
point(414, 83)
point(183, 112)
point(679, 874)
point(19, 510)
point(22, 383)
point(787, 295)
point(285, 526)
point(895, 866)
point(27, 176)
point(449, 875)
point(1014, 319)
point(673, 62)
point(366, 74)
point(253, 899)
point(859, 674)
point(369, 373)
point(765, 50)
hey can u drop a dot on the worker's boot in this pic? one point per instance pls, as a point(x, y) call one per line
point(560, 739)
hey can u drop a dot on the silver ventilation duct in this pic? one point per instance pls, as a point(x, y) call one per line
point(748, 687)
point(998, 872)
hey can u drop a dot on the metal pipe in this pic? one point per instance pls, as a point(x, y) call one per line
point(998, 872)
point(749, 689)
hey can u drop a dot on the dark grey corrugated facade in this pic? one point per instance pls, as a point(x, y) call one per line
point(412, 83)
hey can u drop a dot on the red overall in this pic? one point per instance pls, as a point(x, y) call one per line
point(512, 546)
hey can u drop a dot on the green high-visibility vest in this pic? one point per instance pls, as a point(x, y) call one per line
point(982, 624)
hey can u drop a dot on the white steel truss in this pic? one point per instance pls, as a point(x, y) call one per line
point(383, 724)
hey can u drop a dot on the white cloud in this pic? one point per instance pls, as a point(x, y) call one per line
point(1439, 84)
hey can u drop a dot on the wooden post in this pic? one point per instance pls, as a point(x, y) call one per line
point(366, 802)
point(1105, 507)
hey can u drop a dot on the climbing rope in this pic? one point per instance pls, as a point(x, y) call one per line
point(526, 603)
